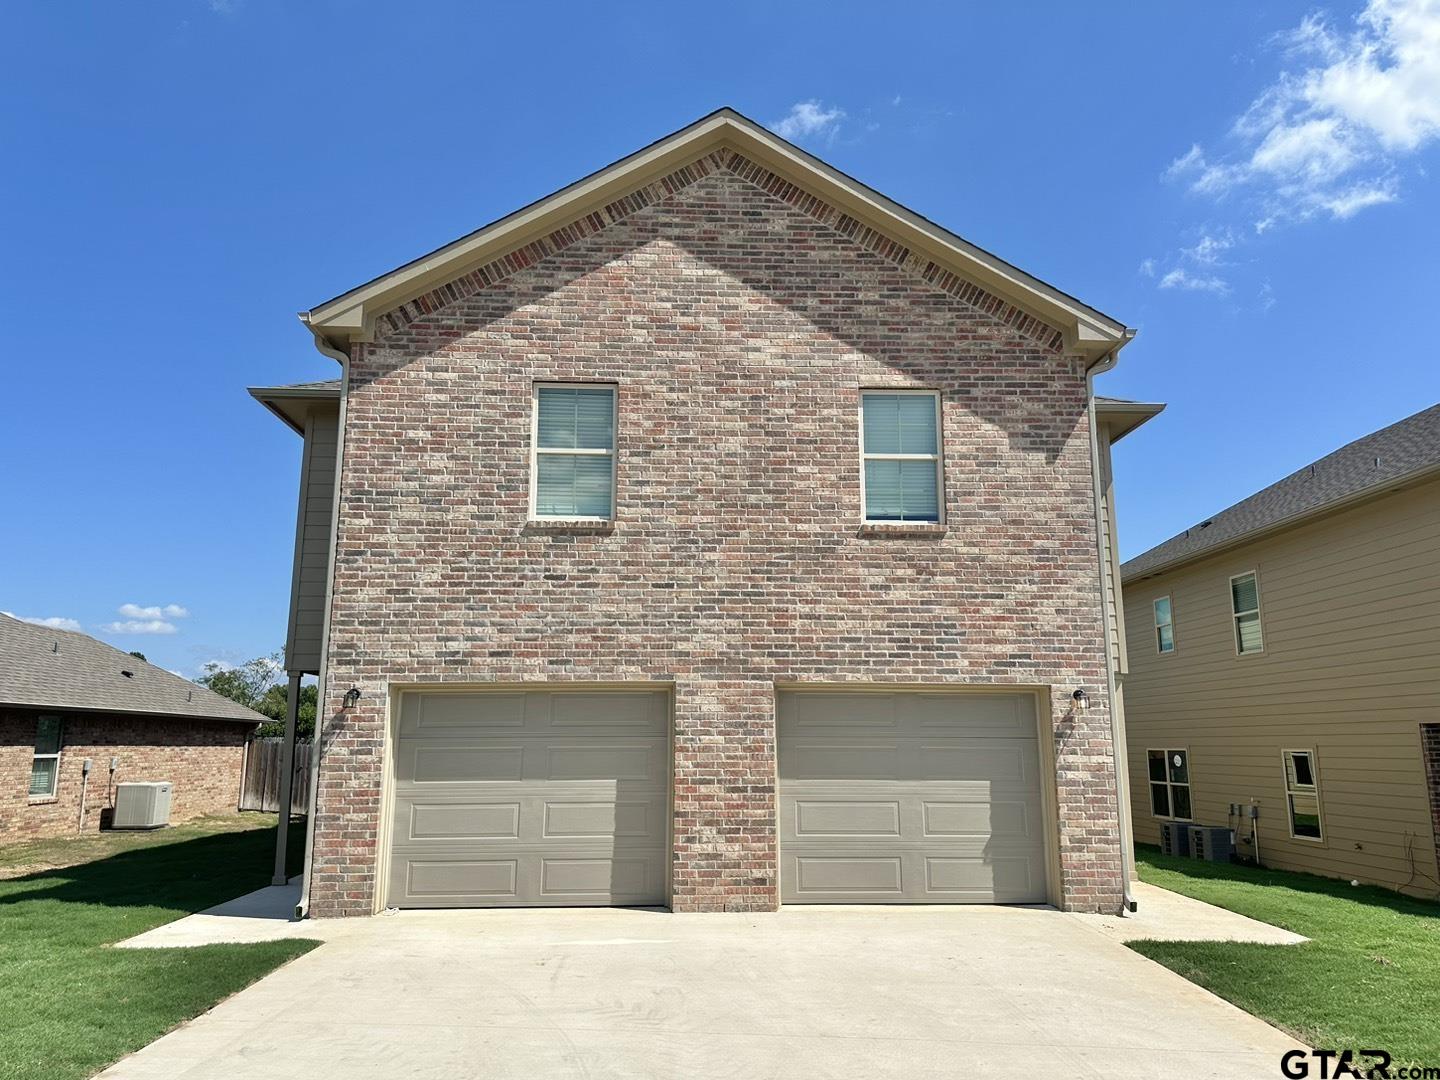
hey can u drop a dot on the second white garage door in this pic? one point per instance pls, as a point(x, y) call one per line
point(530, 798)
point(910, 797)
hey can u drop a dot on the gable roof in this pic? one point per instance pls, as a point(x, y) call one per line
point(65, 669)
point(1400, 454)
point(351, 316)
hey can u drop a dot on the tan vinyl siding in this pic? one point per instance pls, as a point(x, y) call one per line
point(1114, 624)
point(1350, 611)
point(312, 556)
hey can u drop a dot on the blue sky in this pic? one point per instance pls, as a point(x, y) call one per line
point(1251, 185)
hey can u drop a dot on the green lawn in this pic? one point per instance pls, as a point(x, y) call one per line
point(1368, 978)
point(69, 1004)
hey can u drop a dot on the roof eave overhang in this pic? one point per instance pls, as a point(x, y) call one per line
point(1124, 417)
point(159, 714)
point(350, 317)
point(1303, 517)
point(291, 404)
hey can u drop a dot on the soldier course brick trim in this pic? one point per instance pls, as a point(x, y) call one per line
point(892, 251)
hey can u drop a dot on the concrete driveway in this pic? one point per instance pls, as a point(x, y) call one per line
point(807, 992)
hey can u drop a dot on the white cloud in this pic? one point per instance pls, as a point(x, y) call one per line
point(809, 119)
point(1181, 279)
point(1147, 267)
point(54, 622)
point(140, 626)
point(168, 611)
point(1209, 249)
point(1327, 136)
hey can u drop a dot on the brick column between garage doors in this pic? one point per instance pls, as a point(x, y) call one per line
point(725, 854)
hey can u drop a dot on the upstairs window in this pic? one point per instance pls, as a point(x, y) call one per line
point(1164, 626)
point(1302, 794)
point(1170, 783)
point(1245, 609)
point(900, 447)
point(45, 767)
point(572, 469)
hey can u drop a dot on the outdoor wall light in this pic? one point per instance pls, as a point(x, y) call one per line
point(1081, 699)
point(352, 697)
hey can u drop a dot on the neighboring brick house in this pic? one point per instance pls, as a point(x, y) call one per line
point(712, 533)
point(66, 698)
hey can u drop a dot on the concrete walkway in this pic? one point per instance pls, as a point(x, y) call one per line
point(807, 992)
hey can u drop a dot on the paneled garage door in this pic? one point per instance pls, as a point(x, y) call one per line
point(910, 797)
point(517, 799)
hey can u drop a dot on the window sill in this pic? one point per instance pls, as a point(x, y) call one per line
point(903, 529)
point(569, 527)
point(42, 800)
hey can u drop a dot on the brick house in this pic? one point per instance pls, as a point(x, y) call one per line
point(713, 533)
point(66, 699)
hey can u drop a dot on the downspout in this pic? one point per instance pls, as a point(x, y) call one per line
point(302, 908)
point(1104, 364)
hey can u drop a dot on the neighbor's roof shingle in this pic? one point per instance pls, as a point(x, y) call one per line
point(1390, 455)
point(65, 669)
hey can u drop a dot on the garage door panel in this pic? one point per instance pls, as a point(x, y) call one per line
point(938, 801)
point(993, 820)
point(857, 874)
point(463, 821)
point(635, 819)
point(844, 817)
point(541, 797)
point(442, 764)
point(607, 761)
point(443, 878)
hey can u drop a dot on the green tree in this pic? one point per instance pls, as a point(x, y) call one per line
point(247, 683)
point(260, 684)
point(138, 655)
point(273, 705)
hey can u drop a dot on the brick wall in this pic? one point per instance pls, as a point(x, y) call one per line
point(201, 758)
point(740, 319)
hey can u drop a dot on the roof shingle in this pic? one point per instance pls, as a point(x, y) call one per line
point(65, 669)
point(1388, 456)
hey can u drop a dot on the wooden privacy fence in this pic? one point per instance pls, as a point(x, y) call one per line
point(260, 783)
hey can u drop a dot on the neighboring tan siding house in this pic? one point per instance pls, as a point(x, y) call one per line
point(1295, 663)
point(713, 533)
point(66, 698)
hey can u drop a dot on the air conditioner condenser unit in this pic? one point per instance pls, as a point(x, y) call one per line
point(142, 805)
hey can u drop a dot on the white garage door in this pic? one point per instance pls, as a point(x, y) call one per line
point(910, 797)
point(517, 799)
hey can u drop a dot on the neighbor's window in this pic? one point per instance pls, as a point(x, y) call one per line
point(1302, 794)
point(1245, 606)
point(900, 444)
point(573, 466)
point(1170, 783)
point(45, 768)
point(1164, 625)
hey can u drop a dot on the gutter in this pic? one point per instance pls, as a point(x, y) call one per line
point(1104, 364)
point(302, 908)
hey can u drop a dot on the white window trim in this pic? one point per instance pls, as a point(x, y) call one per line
point(1188, 785)
point(536, 449)
point(1315, 790)
point(938, 457)
point(34, 757)
point(1235, 615)
point(1155, 618)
